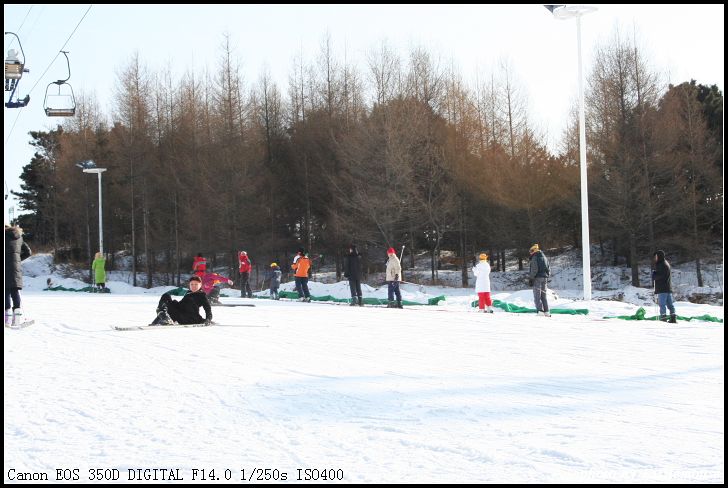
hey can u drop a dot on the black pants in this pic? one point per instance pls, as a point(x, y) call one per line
point(14, 293)
point(355, 287)
point(173, 310)
point(302, 287)
point(245, 286)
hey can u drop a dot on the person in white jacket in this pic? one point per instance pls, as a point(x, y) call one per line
point(482, 284)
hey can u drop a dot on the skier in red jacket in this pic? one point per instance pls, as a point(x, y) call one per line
point(199, 265)
point(245, 268)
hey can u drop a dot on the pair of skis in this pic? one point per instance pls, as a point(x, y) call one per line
point(178, 326)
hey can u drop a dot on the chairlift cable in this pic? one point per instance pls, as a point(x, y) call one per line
point(59, 52)
point(21, 25)
point(46, 70)
point(13, 126)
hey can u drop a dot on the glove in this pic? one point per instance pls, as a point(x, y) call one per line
point(346, 275)
point(530, 282)
point(396, 277)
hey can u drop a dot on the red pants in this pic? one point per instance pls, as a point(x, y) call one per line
point(484, 299)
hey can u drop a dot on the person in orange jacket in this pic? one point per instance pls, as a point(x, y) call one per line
point(199, 265)
point(301, 265)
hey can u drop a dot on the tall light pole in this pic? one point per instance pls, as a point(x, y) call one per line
point(564, 12)
point(90, 167)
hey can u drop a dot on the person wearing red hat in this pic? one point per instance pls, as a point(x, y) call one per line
point(244, 268)
point(394, 273)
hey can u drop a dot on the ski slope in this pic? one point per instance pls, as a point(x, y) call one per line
point(370, 395)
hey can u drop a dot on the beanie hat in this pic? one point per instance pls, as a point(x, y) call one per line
point(391, 251)
point(483, 257)
point(273, 265)
point(534, 249)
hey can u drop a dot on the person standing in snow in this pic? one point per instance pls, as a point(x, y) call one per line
point(352, 271)
point(275, 280)
point(539, 274)
point(199, 265)
point(301, 265)
point(245, 268)
point(16, 250)
point(662, 283)
point(99, 268)
point(394, 272)
point(482, 284)
point(187, 310)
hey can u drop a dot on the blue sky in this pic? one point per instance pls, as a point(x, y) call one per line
point(681, 42)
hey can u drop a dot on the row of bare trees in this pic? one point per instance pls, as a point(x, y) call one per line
point(401, 151)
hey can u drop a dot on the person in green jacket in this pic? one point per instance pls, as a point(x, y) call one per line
point(98, 267)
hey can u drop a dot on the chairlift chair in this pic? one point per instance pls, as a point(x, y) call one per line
point(68, 107)
point(14, 69)
point(14, 66)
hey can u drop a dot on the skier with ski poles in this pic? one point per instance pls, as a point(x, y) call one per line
point(393, 275)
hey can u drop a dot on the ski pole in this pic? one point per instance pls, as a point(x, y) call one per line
point(401, 254)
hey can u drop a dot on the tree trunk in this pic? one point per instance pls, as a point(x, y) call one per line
point(633, 260)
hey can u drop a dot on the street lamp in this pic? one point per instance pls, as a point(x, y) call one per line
point(563, 12)
point(90, 167)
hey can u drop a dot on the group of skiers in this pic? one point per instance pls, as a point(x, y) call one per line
point(204, 287)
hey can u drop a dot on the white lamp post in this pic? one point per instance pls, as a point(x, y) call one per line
point(564, 12)
point(90, 167)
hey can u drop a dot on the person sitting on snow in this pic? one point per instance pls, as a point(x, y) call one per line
point(187, 310)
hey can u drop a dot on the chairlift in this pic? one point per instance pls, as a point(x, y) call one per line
point(14, 69)
point(64, 97)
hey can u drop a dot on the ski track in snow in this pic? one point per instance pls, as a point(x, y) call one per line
point(385, 395)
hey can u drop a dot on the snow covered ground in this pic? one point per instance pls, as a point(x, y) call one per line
point(426, 394)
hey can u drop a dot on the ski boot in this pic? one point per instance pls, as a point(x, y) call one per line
point(17, 317)
point(673, 318)
point(8, 317)
point(163, 317)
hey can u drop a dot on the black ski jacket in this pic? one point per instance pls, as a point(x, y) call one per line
point(352, 266)
point(661, 274)
point(187, 310)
